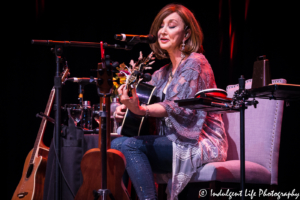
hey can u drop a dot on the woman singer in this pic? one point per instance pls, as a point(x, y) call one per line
point(186, 138)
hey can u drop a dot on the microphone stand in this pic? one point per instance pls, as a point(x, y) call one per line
point(81, 44)
point(57, 105)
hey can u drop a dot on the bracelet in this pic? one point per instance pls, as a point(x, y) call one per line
point(147, 110)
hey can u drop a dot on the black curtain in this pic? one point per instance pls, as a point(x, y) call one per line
point(235, 34)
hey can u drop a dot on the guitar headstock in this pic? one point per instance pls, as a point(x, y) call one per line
point(105, 72)
point(104, 77)
point(138, 69)
point(65, 73)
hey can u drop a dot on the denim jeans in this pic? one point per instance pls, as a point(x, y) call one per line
point(145, 155)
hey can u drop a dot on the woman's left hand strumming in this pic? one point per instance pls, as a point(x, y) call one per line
point(132, 103)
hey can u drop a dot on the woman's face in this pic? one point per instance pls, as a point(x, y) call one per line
point(171, 33)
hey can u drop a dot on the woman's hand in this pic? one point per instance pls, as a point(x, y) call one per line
point(132, 103)
point(120, 113)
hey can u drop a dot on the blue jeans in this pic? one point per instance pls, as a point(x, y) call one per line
point(145, 155)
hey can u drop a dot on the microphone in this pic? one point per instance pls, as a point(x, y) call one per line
point(81, 80)
point(136, 38)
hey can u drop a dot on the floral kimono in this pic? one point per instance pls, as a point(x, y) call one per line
point(198, 137)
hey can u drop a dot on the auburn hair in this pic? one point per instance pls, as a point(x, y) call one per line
point(193, 43)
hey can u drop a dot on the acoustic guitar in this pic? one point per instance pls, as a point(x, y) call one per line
point(31, 185)
point(135, 125)
point(103, 168)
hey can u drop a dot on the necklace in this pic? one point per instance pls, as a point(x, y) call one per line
point(170, 74)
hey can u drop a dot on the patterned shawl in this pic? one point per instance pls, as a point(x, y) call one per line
point(198, 137)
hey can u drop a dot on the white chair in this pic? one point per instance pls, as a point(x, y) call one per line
point(262, 141)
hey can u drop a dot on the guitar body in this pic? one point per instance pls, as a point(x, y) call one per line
point(91, 172)
point(103, 168)
point(135, 125)
point(31, 185)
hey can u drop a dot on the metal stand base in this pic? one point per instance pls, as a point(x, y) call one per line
point(103, 193)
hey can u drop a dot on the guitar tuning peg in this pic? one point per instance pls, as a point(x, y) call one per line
point(151, 63)
point(141, 55)
point(150, 55)
point(131, 63)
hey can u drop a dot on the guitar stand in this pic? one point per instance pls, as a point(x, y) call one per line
point(104, 125)
point(103, 193)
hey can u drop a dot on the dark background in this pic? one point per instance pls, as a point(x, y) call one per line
point(235, 33)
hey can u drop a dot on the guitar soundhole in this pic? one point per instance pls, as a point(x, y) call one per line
point(29, 171)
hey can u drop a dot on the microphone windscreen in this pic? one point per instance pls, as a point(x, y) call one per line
point(152, 38)
point(121, 37)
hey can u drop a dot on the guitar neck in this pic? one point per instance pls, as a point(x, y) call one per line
point(39, 138)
